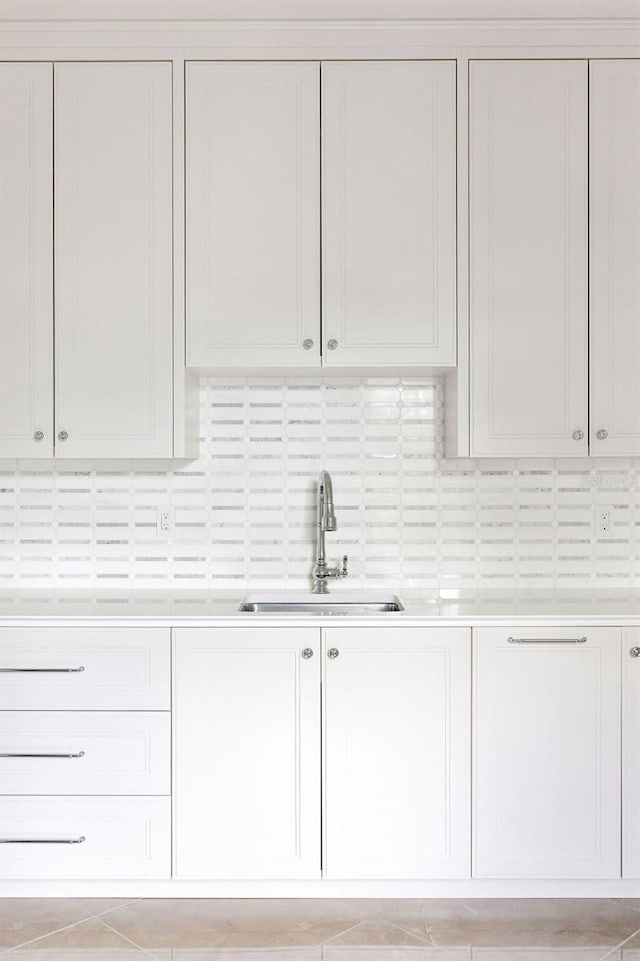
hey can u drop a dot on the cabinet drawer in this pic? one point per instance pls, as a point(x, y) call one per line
point(75, 668)
point(77, 837)
point(85, 752)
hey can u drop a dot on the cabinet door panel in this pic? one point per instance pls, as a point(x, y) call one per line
point(253, 194)
point(528, 257)
point(26, 259)
point(547, 753)
point(631, 755)
point(397, 753)
point(388, 196)
point(247, 722)
point(113, 220)
point(614, 158)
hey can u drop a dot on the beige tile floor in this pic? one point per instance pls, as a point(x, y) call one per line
point(319, 930)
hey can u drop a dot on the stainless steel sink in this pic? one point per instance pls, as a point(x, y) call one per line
point(340, 603)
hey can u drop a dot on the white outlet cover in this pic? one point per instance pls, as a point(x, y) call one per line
point(602, 531)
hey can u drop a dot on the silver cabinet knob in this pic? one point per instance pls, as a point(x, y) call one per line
point(332, 653)
point(307, 653)
point(62, 435)
point(578, 435)
point(602, 434)
point(635, 652)
point(307, 344)
point(332, 344)
point(38, 435)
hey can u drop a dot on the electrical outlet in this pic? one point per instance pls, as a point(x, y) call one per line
point(165, 521)
point(604, 528)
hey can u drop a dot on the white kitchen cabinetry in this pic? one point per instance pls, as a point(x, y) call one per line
point(253, 217)
point(528, 257)
point(113, 259)
point(93, 141)
point(247, 737)
point(389, 213)
point(397, 753)
point(26, 260)
point(614, 165)
point(85, 837)
point(631, 754)
point(547, 791)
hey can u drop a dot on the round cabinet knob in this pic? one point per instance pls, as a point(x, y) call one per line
point(578, 435)
point(602, 434)
point(307, 344)
point(62, 435)
point(307, 653)
point(332, 344)
point(38, 435)
point(635, 652)
point(332, 653)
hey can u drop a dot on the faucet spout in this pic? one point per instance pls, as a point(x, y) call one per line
point(325, 521)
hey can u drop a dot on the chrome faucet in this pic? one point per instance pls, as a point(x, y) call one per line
point(325, 521)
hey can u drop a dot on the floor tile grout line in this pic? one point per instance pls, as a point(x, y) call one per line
point(65, 927)
point(619, 947)
point(133, 943)
point(412, 934)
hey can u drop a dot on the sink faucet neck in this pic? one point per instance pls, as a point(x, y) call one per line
point(325, 521)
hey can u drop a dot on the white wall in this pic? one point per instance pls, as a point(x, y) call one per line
point(245, 510)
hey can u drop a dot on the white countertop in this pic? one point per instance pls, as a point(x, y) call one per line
point(195, 608)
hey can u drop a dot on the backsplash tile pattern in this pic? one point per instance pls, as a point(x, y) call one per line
point(245, 510)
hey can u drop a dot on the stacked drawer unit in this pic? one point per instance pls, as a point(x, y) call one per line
point(85, 753)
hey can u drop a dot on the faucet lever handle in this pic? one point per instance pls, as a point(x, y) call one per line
point(345, 572)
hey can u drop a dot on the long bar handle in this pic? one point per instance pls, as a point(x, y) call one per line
point(41, 670)
point(546, 640)
point(79, 840)
point(79, 754)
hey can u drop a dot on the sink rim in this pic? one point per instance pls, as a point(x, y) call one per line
point(302, 602)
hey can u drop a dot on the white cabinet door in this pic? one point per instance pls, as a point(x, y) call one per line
point(397, 753)
point(528, 257)
point(113, 240)
point(253, 196)
point(547, 753)
point(247, 736)
point(631, 754)
point(388, 207)
point(614, 158)
point(26, 260)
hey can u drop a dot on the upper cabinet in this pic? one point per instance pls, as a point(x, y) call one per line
point(254, 209)
point(554, 248)
point(113, 259)
point(528, 257)
point(97, 138)
point(614, 169)
point(26, 259)
point(253, 214)
point(388, 213)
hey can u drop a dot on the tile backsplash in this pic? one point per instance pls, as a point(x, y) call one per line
point(245, 511)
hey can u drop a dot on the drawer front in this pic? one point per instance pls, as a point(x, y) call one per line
point(85, 752)
point(85, 838)
point(76, 668)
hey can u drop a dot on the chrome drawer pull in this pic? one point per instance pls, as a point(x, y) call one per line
point(41, 670)
point(79, 754)
point(79, 840)
point(546, 640)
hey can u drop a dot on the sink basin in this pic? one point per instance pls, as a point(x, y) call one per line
point(298, 602)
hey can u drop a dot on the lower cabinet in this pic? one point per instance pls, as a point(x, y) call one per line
point(631, 753)
point(397, 753)
point(247, 737)
point(248, 753)
point(82, 838)
point(547, 791)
